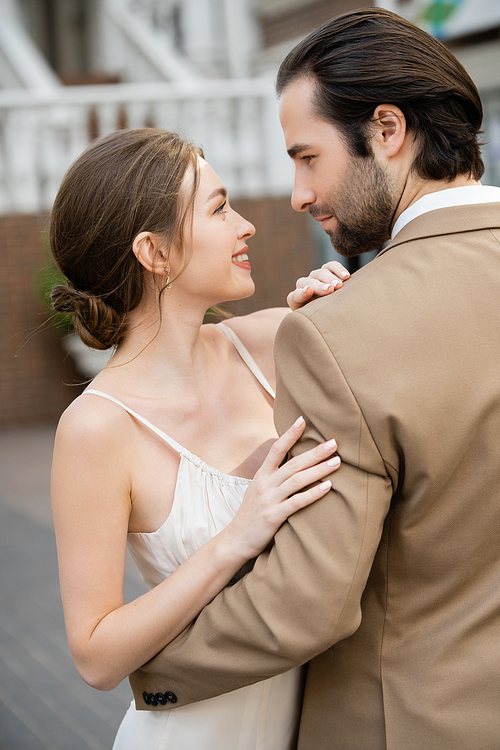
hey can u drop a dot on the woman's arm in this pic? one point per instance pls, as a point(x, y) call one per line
point(91, 491)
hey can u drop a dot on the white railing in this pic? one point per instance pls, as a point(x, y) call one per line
point(235, 121)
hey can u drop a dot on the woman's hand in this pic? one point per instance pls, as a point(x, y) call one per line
point(319, 283)
point(274, 493)
point(109, 638)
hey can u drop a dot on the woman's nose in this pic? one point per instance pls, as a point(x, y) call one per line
point(245, 228)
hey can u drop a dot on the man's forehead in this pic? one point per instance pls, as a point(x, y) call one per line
point(304, 129)
point(298, 93)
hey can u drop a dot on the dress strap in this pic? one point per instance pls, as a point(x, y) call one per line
point(173, 444)
point(247, 358)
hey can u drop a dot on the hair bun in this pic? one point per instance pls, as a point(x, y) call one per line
point(97, 323)
point(64, 298)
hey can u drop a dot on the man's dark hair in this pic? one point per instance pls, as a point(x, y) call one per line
point(371, 56)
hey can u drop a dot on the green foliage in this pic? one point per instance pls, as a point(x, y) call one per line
point(45, 280)
point(439, 12)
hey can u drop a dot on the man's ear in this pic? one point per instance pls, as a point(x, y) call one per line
point(389, 125)
point(149, 252)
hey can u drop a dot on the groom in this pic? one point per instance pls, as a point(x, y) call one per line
point(390, 585)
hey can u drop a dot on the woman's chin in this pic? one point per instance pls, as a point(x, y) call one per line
point(244, 293)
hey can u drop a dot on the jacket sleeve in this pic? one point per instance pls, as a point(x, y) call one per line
point(303, 594)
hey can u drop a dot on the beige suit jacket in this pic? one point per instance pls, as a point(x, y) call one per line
point(390, 585)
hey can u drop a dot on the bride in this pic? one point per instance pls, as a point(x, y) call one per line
point(172, 449)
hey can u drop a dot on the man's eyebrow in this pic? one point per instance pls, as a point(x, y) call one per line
point(218, 191)
point(297, 148)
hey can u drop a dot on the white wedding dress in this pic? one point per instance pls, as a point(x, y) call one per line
point(263, 716)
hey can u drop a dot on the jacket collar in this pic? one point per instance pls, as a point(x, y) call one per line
point(451, 220)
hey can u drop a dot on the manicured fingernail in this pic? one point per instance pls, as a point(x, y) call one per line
point(333, 461)
point(326, 287)
point(325, 485)
point(345, 274)
point(298, 423)
point(305, 289)
point(330, 445)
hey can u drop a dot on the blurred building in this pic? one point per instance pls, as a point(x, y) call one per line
point(471, 30)
point(71, 70)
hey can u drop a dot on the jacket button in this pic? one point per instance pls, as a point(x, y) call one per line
point(171, 697)
point(161, 698)
point(152, 700)
point(145, 697)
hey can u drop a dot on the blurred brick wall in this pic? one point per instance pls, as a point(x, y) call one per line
point(33, 366)
point(281, 251)
point(36, 373)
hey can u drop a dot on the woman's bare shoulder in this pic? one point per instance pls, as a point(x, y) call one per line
point(258, 330)
point(91, 466)
point(91, 422)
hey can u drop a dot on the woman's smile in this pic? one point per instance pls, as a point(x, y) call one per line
point(241, 259)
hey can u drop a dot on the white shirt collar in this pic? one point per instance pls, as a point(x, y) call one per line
point(459, 196)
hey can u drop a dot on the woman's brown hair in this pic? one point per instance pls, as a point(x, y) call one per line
point(125, 183)
point(372, 56)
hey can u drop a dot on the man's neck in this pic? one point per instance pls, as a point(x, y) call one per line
point(453, 195)
point(417, 187)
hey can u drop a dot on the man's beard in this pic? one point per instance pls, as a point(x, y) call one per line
point(364, 209)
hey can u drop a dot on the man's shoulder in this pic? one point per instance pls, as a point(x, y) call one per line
point(356, 292)
point(452, 220)
point(406, 278)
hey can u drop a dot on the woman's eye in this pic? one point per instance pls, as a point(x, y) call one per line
point(220, 209)
point(307, 159)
